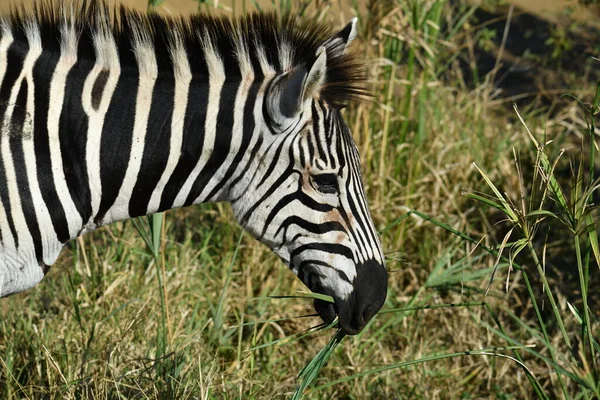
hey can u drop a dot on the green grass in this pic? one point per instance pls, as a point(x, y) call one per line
point(480, 210)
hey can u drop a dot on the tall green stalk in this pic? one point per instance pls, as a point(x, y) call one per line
point(583, 284)
point(152, 236)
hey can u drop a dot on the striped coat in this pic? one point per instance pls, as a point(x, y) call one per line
point(110, 114)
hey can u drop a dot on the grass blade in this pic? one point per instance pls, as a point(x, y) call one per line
point(311, 371)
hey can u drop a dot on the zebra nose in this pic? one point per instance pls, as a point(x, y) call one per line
point(370, 292)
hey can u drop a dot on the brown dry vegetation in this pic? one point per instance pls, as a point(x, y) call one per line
point(93, 328)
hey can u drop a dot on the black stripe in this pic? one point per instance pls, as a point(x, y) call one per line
point(15, 58)
point(351, 189)
point(356, 184)
point(223, 137)
point(253, 53)
point(274, 161)
point(330, 248)
point(333, 127)
point(340, 149)
point(73, 130)
point(310, 145)
point(317, 131)
point(360, 211)
point(42, 76)
point(246, 169)
point(98, 88)
point(224, 122)
point(17, 136)
point(305, 199)
point(306, 263)
point(299, 141)
point(347, 149)
point(318, 229)
point(193, 140)
point(157, 144)
point(299, 195)
point(248, 132)
point(309, 202)
point(357, 238)
point(115, 143)
point(282, 178)
point(45, 268)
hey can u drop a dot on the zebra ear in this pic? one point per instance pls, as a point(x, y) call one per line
point(338, 43)
point(289, 93)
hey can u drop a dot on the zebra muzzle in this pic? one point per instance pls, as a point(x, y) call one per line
point(370, 292)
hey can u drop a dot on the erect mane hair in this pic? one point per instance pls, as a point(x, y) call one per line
point(345, 77)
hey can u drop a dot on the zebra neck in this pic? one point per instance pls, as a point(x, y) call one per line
point(186, 144)
point(116, 139)
point(133, 142)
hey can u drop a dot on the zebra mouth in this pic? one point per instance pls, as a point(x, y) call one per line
point(349, 323)
point(326, 310)
point(329, 311)
point(339, 308)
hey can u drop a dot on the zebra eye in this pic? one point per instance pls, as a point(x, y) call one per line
point(326, 183)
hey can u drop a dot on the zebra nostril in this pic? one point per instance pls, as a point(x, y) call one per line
point(368, 313)
point(365, 316)
point(325, 310)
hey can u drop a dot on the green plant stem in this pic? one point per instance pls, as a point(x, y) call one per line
point(407, 96)
point(156, 223)
point(532, 380)
point(219, 313)
point(553, 304)
point(517, 267)
point(583, 283)
point(490, 351)
point(525, 277)
point(538, 315)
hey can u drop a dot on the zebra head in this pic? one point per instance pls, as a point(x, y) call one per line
point(305, 199)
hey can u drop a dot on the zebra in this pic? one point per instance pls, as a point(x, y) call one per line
point(108, 114)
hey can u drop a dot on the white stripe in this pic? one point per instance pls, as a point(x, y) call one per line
point(240, 188)
point(50, 243)
point(286, 54)
point(148, 73)
point(216, 78)
point(355, 196)
point(374, 246)
point(321, 141)
point(183, 78)
point(7, 39)
point(68, 58)
point(267, 69)
point(107, 58)
point(237, 134)
point(26, 247)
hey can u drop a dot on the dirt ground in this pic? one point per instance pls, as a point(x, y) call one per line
point(174, 6)
point(166, 6)
point(554, 9)
point(549, 9)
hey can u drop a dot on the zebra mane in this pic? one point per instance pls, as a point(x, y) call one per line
point(284, 42)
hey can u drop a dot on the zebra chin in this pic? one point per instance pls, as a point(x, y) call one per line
point(367, 298)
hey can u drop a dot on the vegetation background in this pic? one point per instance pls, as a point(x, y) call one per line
point(493, 276)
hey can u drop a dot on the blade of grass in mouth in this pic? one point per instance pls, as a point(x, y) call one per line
point(311, 371)
point(297, 336)
point(317, 296)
